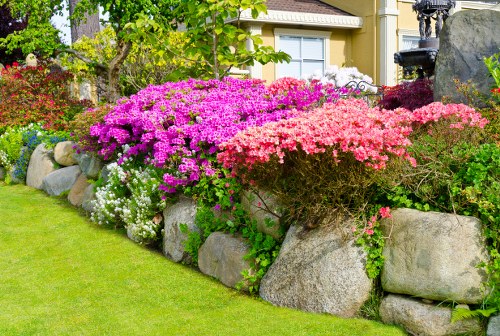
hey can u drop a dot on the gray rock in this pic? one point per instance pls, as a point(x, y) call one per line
point(222, 256)
point(467, 37)
point(264, 209)
point(88, 198)
point(77, 191)
point(60, 180)
point(41, 164)
point(89, 164)
point(493, 326)
point(183, 212)
point(434, 255)
point(104, 174)
point(64, 153)
point(423, 319)
point(320, 270)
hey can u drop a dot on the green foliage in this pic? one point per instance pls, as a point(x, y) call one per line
point(215, 41)
point(374, 246)
point(493, 65)
point(462, 314)
point(220, 190)
point(80, 127)
point(144, 65)
point(263, 248)
point(39, 35)
point(18, 143)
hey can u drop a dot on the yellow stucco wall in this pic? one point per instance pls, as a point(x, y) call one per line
point(340, 47)
point(268, 70)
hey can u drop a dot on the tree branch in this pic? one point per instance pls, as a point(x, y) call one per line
point(100, 68)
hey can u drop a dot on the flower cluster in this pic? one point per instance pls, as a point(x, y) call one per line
point(177, 126)
point(285, 84)
point(342, 77)
point(131, 198)
point(349, 126)
point(461, 114)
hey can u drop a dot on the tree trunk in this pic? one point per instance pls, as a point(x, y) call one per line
point(123, 49)
point(89, 26)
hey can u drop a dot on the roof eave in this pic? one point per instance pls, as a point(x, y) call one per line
point(304, 19)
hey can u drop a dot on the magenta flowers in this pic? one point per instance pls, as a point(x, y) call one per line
point(178, 126)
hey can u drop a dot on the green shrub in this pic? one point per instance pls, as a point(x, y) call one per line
point(80, 127)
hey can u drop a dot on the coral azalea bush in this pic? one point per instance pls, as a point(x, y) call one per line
point(329, 156)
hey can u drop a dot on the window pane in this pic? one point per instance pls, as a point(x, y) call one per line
point(310, 68)
point(410, 42)
point(290, 45)
point(312, 48)
point(291, 69)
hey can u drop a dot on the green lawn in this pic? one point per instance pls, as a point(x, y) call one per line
point(62, 275)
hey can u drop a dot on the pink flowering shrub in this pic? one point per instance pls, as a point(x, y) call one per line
point(348, 126)
point(335, 155)
point(177, 126)
point(285, 84)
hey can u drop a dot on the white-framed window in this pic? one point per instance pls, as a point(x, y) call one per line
point(309, 50)
point(408, 39)
point(410, 42)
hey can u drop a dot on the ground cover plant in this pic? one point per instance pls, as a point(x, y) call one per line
point(17, 143)
point(73, 277)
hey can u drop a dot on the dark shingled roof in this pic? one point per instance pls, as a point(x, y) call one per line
point(305, 6)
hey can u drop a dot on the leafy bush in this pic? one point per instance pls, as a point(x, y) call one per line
point(37, 95)
point(80, 127)
point(324, 158)
point(409, 95)
point(145, 65)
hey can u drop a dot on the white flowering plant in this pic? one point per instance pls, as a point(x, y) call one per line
point(344, 77)
point(130, 198)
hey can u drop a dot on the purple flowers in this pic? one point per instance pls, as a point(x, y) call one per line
point(177, 126)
